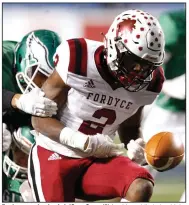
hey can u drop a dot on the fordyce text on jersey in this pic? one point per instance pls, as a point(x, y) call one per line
point(109, 100)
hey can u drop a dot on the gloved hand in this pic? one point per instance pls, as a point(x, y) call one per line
point(136, 151)
point(102, 146)
point(98, 145)
point(35, 103)
point(7, 138)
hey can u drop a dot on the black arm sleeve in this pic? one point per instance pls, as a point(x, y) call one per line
point(7, 98)
point(14, 118)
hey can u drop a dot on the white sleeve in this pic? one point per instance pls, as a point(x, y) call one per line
point(62, 56)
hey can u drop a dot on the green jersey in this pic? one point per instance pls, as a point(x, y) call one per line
point(174, 27)
point(11, 191)
point(8, 73)
point(10, 188)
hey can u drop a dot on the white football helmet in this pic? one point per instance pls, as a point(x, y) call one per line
point(134, 48)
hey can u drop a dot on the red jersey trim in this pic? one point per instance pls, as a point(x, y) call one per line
point(78, 56)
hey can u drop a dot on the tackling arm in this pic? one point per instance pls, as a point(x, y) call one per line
point(130, 128)
point(56, 90)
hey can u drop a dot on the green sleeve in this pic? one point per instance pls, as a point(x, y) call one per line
point(8, 73)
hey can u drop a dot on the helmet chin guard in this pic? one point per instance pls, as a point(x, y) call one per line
point(12, 170)
point(135, 48)
point(25, 80)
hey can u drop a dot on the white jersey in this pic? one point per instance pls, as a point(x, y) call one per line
point(93, 106)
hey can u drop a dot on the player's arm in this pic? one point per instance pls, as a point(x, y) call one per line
point(7, 99)
point(130, 134)
point(130, 128)
point(32, 103)
point(56, 90)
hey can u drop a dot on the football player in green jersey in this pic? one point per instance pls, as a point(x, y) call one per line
point(33, 64)
point(14, 101)
point(17, 136)
point(33, 103)
point(170, 107)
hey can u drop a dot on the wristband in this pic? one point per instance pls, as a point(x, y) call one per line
point(73, 138)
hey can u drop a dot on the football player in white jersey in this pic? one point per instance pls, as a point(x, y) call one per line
point(100, 89)
point(35, 53)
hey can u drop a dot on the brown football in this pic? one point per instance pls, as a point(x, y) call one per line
point(164, 151)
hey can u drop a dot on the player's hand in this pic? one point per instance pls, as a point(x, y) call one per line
point(136, 151)
point(35, 103)
point(98, 145)
point(102, 146)
point(7, 138)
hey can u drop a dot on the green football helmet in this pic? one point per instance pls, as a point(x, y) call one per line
point(35, 54)
point(24, 140)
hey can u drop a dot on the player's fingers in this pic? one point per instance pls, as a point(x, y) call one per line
point(134, 151)
point(131, 146)
point(116, 153)
point(43, 114)
point(135, 145)
point(39, 105)
point(119, 146)
point(39, 114)
point(45, 106)
point(49, 102)
point(128, 145)
point(130, 155)
point(140, 141)
point(108, 138)
point(45, 109)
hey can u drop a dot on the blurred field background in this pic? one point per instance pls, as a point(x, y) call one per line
point(73, 20)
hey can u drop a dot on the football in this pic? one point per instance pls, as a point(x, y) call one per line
point(164, 151)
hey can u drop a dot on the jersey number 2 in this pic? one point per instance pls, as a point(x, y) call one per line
point(103, 116)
